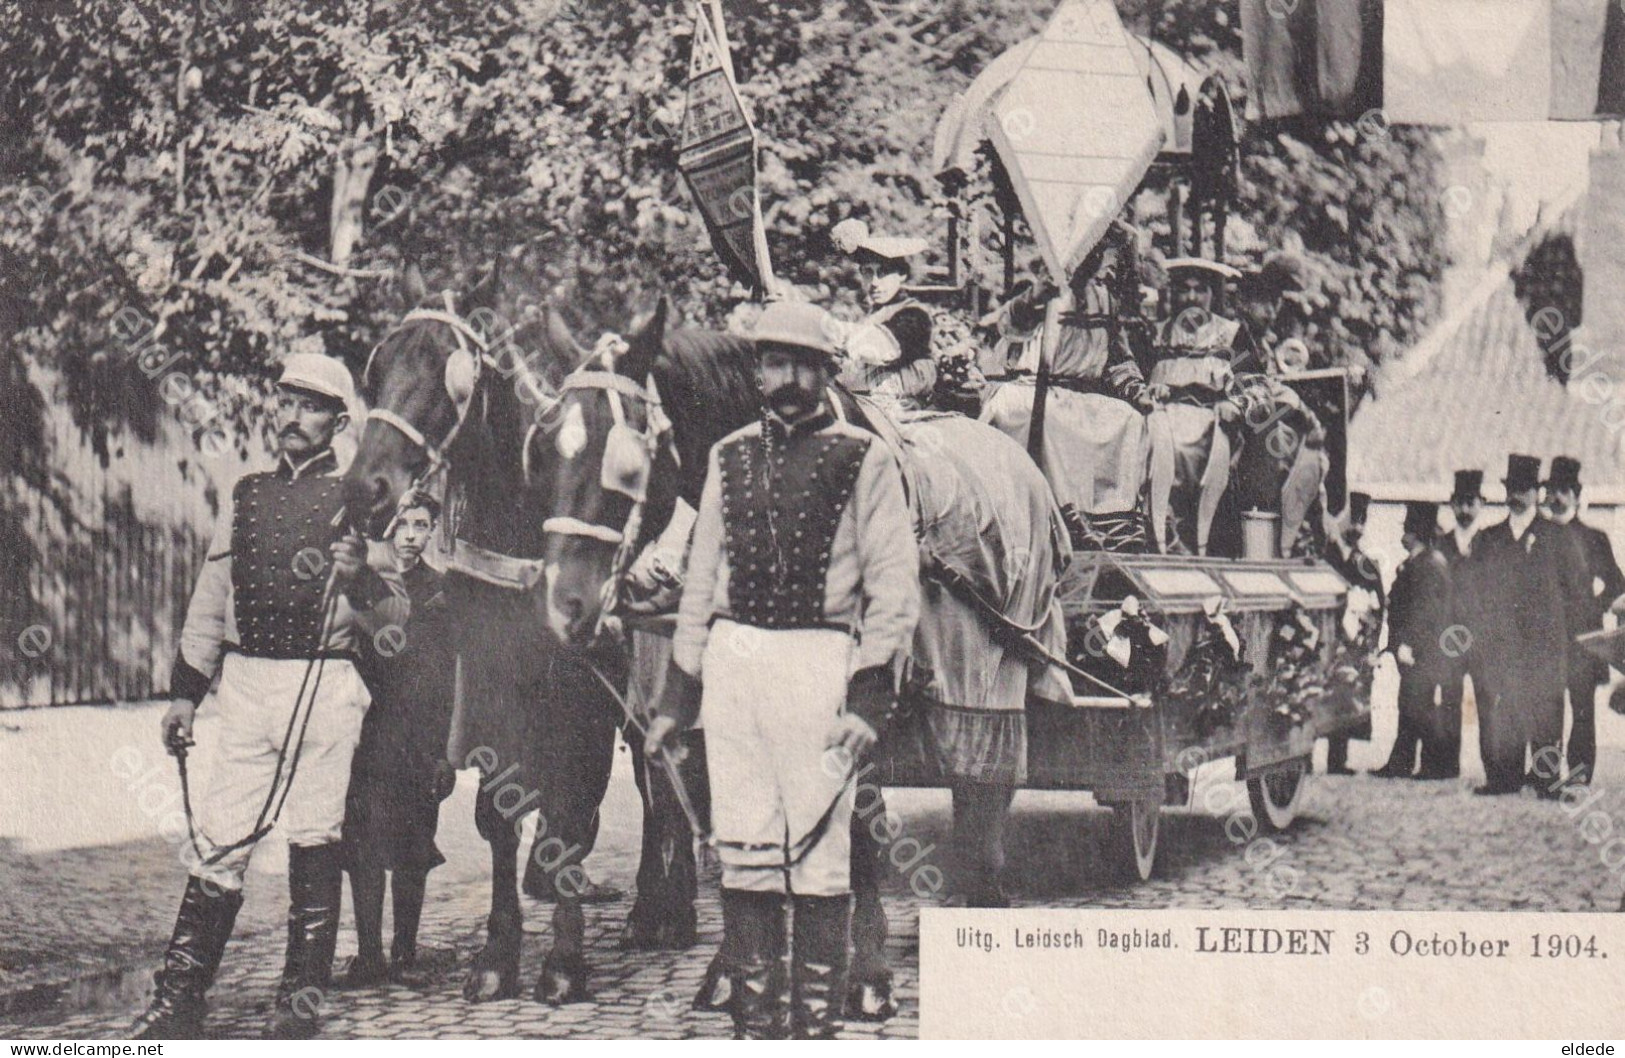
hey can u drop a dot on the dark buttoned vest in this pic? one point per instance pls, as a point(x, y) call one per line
point(783, 495)
point(280, 535)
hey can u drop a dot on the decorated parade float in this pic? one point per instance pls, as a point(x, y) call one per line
point(1174, 660)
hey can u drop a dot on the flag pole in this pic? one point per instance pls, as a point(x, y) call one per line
point(722, 37)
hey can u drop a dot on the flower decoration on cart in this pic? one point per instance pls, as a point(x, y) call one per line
point(1355, 655)
point(1210, 685)
point(1297, 676)
point(1126, 640)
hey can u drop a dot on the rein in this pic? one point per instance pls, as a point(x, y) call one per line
point(793, 851)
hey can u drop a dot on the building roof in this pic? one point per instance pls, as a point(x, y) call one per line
point(1474, 389)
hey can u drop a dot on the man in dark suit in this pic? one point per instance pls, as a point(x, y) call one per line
point(1532, 567)
point(1363, 612)
point(1602, 584)
point(1418, 614)
point(1459, 547)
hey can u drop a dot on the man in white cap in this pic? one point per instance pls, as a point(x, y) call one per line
point(286, 599)
point(803, 584)
point(1194, 380)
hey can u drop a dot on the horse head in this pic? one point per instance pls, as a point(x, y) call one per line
point(443, 368)
point(418, 383)
point(614, 481)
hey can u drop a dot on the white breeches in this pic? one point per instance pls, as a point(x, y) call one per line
point(255, 699)
point(770, 699)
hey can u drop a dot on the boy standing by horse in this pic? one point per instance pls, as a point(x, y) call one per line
point(400, 773)
point(803, 583)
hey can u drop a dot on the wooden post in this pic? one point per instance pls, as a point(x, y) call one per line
point(1009, 247)
point(1176, 218)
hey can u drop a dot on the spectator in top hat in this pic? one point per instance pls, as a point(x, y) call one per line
point(1419, 612)
point(1532, 566)
point(1602, 584)
point(1363, 611)
point(1466, 651)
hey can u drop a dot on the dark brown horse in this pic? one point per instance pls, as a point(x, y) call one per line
point(462, 394)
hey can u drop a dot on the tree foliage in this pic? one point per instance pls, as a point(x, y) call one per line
point(218, 183)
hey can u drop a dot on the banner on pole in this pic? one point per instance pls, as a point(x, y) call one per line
point(717, 157)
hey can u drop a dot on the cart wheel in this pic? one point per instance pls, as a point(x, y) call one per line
point(1276, 795)
point(1135, 828)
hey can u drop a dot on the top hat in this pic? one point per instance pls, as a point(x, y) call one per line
point(315, 373)
point(1565, 474)
point(1422, 519)
point(1523, 472)
point(799, 325)
point(1469, 486)
point(1359, 504)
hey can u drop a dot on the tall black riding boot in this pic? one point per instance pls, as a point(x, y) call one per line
point(315, 884)
point(869, 996)
point(202, 928)
point(818, 947)
point(754, 925)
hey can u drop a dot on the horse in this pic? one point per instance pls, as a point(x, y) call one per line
point(455, 393)
point(964, 672)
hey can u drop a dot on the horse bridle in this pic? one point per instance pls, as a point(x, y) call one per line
point(598, 373)
point(464, 374)
point(476, 361)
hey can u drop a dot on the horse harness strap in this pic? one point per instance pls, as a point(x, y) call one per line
point(450, 319)
point(476, 363)
point(410, 432)
point(566, 526)
point(493, 567)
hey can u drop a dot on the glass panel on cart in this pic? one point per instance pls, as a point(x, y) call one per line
point(1162, 583)
point(1255, 582)
point(1317, 581)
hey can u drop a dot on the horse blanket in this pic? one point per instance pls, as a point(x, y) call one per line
point(984, 512)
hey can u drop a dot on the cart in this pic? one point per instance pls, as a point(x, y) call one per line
point(1263, 702)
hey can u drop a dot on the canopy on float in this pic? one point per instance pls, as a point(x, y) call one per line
point(1175, 85)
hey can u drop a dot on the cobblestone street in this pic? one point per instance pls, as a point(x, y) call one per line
point(83, 925)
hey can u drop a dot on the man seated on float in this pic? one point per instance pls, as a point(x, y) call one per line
point(1093, 447)
point(887, 355)
point(1283, 464)
point(1193, 381)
